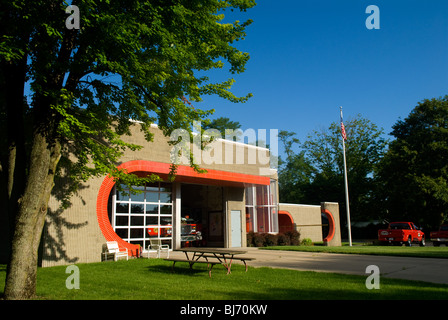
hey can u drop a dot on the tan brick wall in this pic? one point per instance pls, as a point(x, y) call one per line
point(73, 235)
point(254, 159)
point(333, 207)
point(307, 219)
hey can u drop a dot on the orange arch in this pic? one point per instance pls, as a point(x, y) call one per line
point(290, 225)
point(103, 218)
point(331, 223)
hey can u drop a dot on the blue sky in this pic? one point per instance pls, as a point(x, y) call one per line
point(310, 57)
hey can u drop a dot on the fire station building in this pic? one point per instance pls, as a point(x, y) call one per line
point(237, 194)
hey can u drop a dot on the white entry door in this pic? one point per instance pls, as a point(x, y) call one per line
point(235, 216)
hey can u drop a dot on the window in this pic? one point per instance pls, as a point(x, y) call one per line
point(262, 208)
point(137, 217)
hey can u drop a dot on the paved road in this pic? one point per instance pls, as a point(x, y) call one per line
point(422, 269)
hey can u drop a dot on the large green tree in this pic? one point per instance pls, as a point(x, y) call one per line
point(129, 59)
point(222, 124)
point(315, 172)
point(414, 172)
point(365, 146)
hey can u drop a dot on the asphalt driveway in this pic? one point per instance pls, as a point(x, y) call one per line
point(420, 269)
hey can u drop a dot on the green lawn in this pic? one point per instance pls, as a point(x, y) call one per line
point(153, 280)
point(415, 251)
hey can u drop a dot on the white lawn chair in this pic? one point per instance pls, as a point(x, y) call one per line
point(156, 245)
point(148, 252)
point(113, 248)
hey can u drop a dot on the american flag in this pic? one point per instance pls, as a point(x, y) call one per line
point(344, 134)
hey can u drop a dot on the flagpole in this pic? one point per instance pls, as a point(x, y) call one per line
point(347, 204)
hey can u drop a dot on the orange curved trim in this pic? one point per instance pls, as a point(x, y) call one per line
point(103, 218)
point(184, 174)
point(287, 213)
point(285, 221)
point(331, 223)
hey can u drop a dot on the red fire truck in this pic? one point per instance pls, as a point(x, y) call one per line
point(190, 231)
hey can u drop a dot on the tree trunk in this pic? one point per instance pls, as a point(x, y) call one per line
point(30, 218)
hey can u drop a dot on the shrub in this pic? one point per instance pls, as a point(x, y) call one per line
point(294, 237)
point(306, 242)
point(259, 240)
point(283, 240)
point(250, 238)
point(266, 239)
point(270, 240)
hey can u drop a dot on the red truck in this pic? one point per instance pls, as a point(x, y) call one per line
point(399, 233)
point(440, 237)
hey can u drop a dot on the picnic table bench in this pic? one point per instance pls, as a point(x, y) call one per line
point(218, 255)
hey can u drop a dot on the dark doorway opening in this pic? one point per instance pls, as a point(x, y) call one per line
point(202, 215)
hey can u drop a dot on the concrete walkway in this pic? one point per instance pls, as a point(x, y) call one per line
point(420, 269)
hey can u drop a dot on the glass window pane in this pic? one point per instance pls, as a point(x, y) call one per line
point(274, 219)
point(165, 209)
point(166, 232)
point(137, 208)
point(262, 219)
point(139, 197)
point(152, 197)
point(149, 235)
point(141, 188)
point(249, 196)
point(165, 197)
point(152, 231)
point(262, 195)
point(122, 208)
point(152, 187)
point(137, 220)
point(152, 209)
point(165, 221)
point(121, 221)
point(273, 190)
point(152, 220)
point(122, 196)
point(249, 219)
point(122, 233)
point(136, 233)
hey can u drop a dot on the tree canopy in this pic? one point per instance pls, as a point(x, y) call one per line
point(414, 172)
point(66, 95)
point(402, 179)
point(222, 124)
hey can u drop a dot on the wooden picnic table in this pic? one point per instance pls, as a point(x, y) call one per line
point(224, 256)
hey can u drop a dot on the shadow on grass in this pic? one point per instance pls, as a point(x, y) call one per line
point(179, 268)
